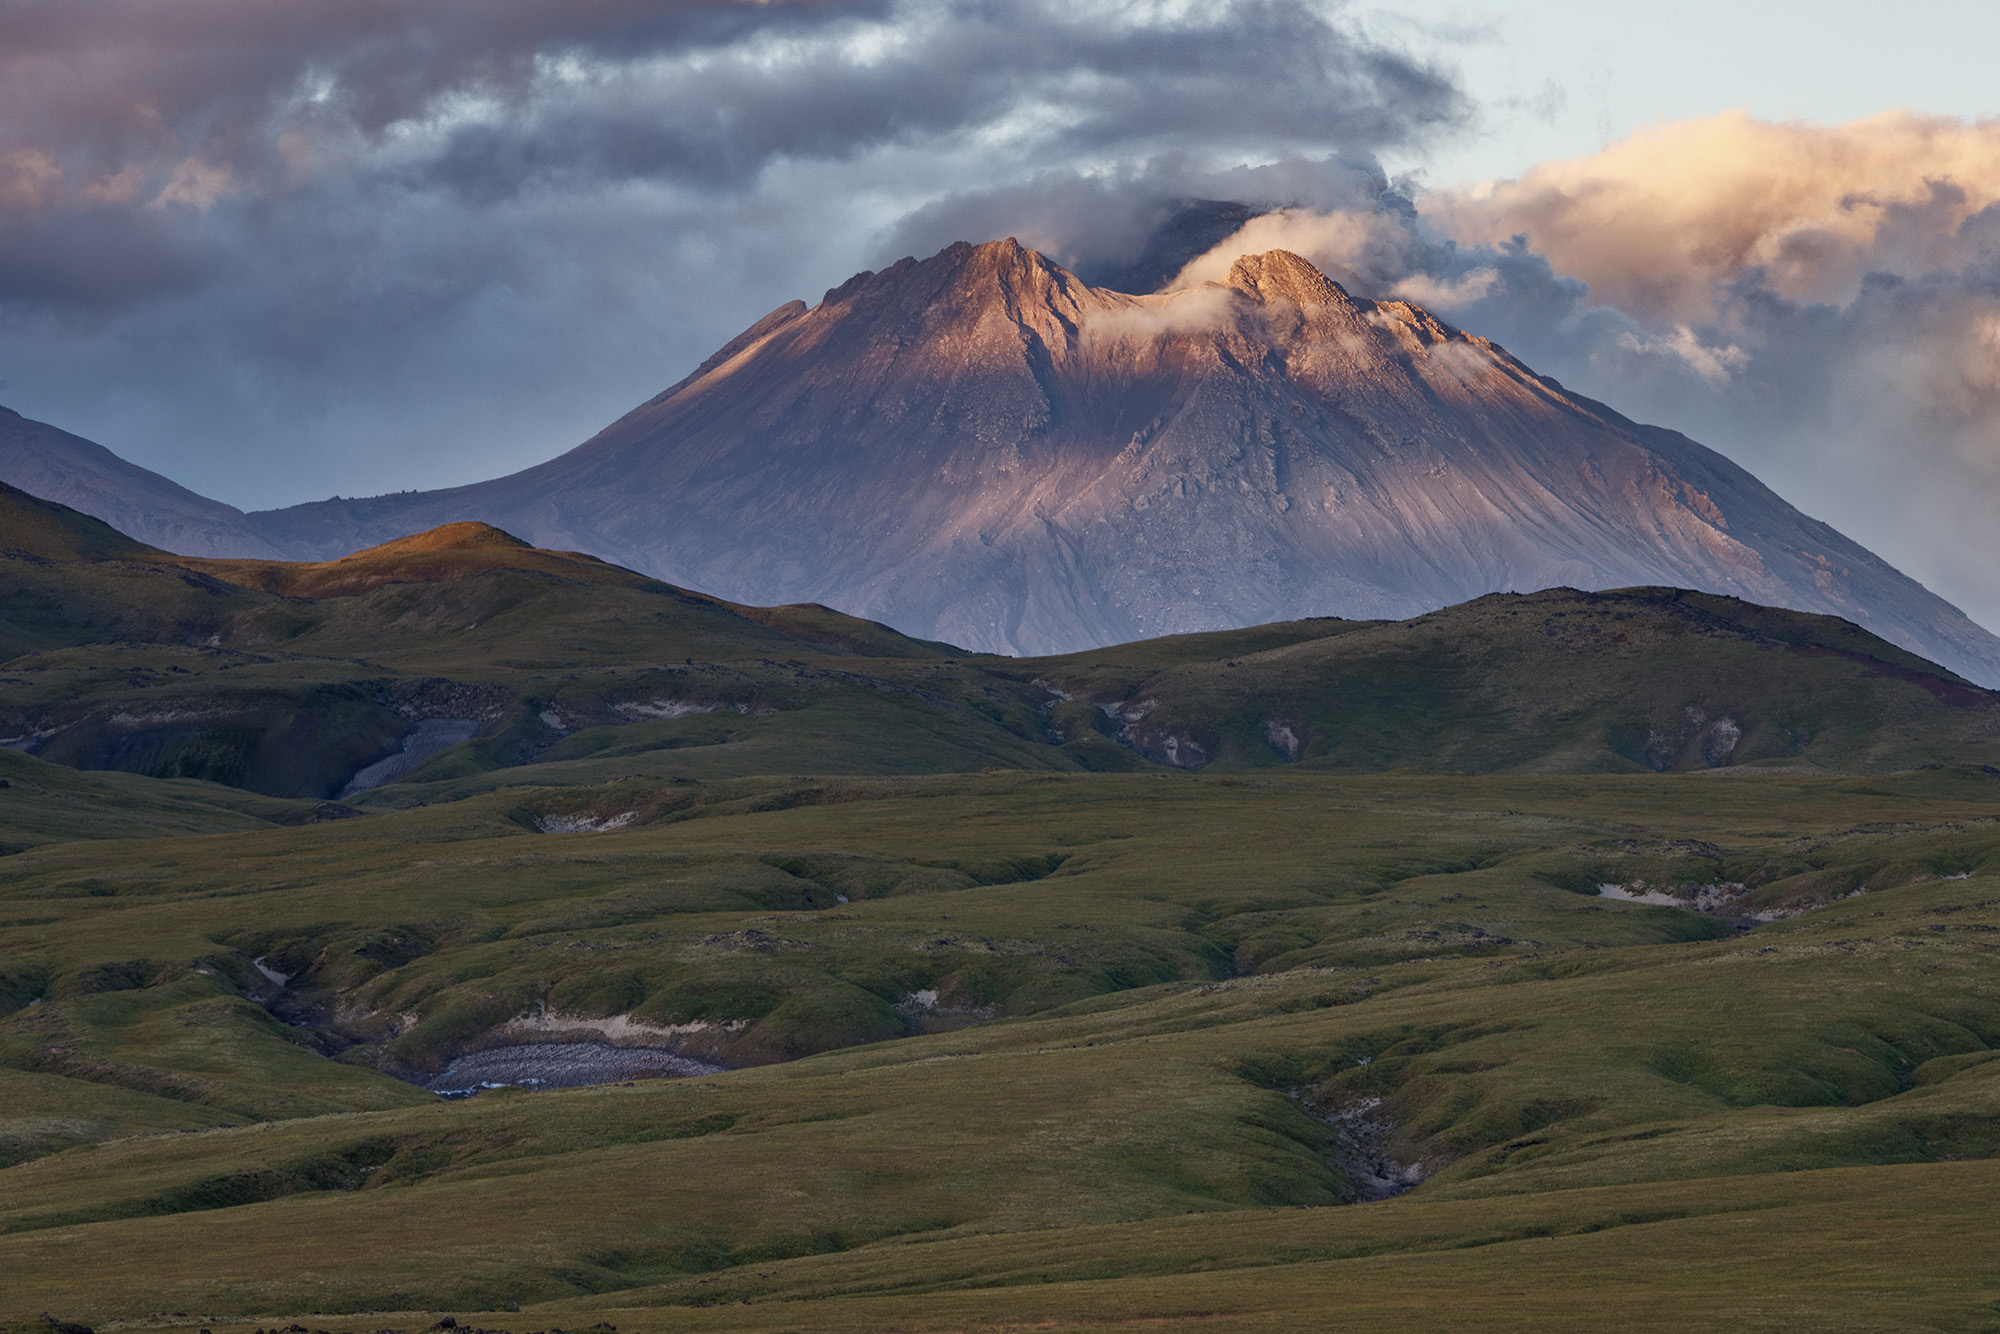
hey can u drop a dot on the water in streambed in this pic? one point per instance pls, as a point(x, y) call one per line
point(433, 736)
point(561, 1065)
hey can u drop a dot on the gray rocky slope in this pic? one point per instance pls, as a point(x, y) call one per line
point(46, 461)
point(981, 448)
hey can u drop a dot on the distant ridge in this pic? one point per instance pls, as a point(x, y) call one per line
point(470, 535)
point(444, 552)
point(55, 465)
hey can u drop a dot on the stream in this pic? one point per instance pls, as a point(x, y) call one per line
point(561, 1065)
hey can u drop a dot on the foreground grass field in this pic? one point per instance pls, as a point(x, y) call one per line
point(1205, 1019)
point(1892, 1248)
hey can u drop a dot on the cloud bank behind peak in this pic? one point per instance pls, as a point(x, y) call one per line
point(1820, 302)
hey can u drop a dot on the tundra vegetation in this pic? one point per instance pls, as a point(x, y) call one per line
point(1558, 962)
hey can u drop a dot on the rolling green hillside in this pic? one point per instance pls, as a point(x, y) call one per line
point(66, 579)
point(156, 665)
point(1559, 681)
point(289, 679)
point(1151, 994)
point(1557, 961)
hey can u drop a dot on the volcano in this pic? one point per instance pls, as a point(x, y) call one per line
point(982, 448)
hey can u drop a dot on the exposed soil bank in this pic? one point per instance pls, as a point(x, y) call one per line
point(1363, 1154)
point(558, 1065)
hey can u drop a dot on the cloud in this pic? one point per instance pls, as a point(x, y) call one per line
point(1834, 289)
point(1368, 246)
point(1092, 220)
point(29, 178)
point(218, 99)
point(1715, 365)
point(1471, 286)
point(276, 251)
point(1151, 317)
point(1664, 223)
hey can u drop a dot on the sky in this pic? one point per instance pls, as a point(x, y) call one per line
point(284, 251)
point(1563, 78)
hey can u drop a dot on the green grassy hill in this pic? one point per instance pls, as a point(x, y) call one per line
point(293, 677)
point(66, 579)
point(1559, 681)
point(288, 679)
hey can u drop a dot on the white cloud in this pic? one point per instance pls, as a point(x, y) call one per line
point(1357, 247)
point(1715, 365)
point(1664, 222)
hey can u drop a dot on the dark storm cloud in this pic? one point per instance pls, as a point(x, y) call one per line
point(277, 250)
point(122, 77)
point(156, 126)
point(1236, 77)
point(165, 115)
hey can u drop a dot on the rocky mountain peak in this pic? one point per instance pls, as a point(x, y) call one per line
point(1280, 275)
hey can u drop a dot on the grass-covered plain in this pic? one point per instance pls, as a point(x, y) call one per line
point(1223, 995)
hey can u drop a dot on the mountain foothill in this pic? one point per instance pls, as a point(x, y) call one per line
point(299, 679)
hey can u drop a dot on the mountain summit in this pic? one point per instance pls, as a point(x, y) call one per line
point(982, 448)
